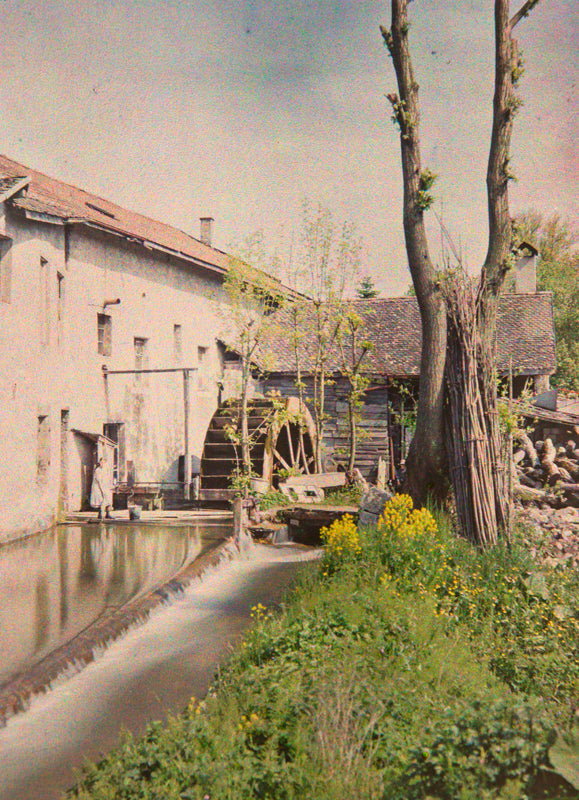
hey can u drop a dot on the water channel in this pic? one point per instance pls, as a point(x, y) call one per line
point(52, 586)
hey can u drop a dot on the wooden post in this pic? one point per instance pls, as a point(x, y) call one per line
point(187, 457)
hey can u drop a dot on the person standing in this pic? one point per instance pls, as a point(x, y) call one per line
point(101, 491)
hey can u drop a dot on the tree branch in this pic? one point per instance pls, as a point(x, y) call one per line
point(522, 12)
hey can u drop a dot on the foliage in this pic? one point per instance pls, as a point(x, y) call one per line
point(272, 499)
point(283, 473)
point(353, 353)
point(251, 296)
point(481, 750)
point(345, 496)
point(240, 481)
point(366, 289)
point(341, 540)
point(424, 199)
point(407, 665)
point(324, 264)
point(558, 272)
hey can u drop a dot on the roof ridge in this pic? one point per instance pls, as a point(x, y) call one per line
point(35, 172)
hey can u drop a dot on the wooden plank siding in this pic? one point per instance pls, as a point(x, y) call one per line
point(373, 442)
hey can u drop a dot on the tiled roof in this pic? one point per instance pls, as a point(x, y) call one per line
point(46, 195)
point(10, 184)
point(525, 334)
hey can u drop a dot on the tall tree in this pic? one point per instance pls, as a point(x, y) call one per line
point(426, 460)
point(327, 260)
point(366, 289)
point(251, 297)
point(426, 463)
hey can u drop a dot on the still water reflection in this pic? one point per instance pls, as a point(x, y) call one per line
point(54, 585)
point(150, 672)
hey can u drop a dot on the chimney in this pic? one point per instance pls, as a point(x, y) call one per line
point(526, 269)
point(205, 230)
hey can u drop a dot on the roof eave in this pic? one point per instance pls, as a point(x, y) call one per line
point(150, 245)
point(14, 189)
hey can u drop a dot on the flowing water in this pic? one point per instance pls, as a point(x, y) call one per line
point(152, 670)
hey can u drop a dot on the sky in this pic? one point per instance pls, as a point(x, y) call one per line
point(240, 110)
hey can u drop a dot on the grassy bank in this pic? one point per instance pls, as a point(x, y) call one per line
point(408, 665)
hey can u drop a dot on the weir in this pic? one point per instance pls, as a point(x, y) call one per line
point(55, 585)
point(151, 670)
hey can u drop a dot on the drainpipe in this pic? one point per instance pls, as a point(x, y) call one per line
point(187, 456)
point(114, 302)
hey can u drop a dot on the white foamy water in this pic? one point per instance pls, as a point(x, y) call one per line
point(154, 668)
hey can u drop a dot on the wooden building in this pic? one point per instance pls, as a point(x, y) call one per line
point(525, 345)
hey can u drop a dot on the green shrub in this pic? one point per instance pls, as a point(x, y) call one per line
point(406, 665)
point(480, 752)
point(272, 499)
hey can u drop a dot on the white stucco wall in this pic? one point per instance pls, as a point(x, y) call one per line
point(43, 378)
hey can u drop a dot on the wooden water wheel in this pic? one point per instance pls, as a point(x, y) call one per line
point(277, 446)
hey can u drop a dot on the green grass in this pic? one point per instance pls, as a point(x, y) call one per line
point(407, 665)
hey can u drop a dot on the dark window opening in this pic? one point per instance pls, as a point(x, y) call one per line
point(104, 334)
point(60, 305)
point(116, 432)
point(177, 342)
point(5, 270)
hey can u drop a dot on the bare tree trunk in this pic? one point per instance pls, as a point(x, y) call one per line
point(426, 461)
point(482, 464)
point(353, 436)
point(498, 258)
point(243, 424)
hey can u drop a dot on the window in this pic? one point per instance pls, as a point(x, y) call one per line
point(60, 306)
point(201, 354)
point(43, 450)
point(105, 334)
point(140, 354)
point(177, 343)
point(5, 270)
point(116, 432)
point(44, 301)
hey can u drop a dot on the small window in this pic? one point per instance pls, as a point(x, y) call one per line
point(201, 354)
point(177, 343)
point(140, 353)
point(105, 334)
point(5, 270)
point(44, 294)
point(43, 450)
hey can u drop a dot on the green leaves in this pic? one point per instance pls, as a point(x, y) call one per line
point(423, 197)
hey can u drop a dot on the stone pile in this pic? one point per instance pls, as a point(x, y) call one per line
point(558, 533)
point(545, 474)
